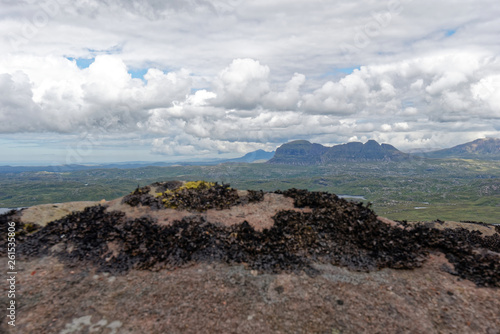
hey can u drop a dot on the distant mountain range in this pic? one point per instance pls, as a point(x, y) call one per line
point(302, 152)
point(259, 155)
point(255, 156)
point(479, 149)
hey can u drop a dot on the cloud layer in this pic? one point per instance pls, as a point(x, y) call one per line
point(231, 76)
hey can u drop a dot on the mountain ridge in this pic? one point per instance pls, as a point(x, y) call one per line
point(253, 156)
point(250, 157)
point(302, 152)
point(482, 148)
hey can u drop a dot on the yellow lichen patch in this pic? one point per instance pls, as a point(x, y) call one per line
point(197, 185)
point(192, 195)
point(169, 194)
point(30, 227)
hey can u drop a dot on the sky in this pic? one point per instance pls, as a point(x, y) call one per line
point(85, 81)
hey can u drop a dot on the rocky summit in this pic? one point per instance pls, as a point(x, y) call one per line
point(200, 257)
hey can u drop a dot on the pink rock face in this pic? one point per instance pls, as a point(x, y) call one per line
point(220, 298)
point(258, 215)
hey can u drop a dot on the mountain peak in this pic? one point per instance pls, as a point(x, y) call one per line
point(301, 152)
point(372, 142)
point(300, 142)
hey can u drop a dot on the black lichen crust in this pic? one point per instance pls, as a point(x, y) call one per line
point(21, 230)
point(335, 231)
point(194, 196)
point(141, 196)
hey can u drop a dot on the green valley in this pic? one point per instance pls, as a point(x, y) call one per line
point(418, 189)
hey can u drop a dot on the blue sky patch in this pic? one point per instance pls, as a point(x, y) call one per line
point(450, 32)
point(82, 62)
point(138, 73)
point(340, 72)
point(347, 70)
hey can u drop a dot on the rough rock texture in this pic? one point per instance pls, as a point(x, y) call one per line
point(193, 196)
point(45, 213)
point(324, 265)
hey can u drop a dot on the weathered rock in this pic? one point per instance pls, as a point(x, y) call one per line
point(335, 231)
